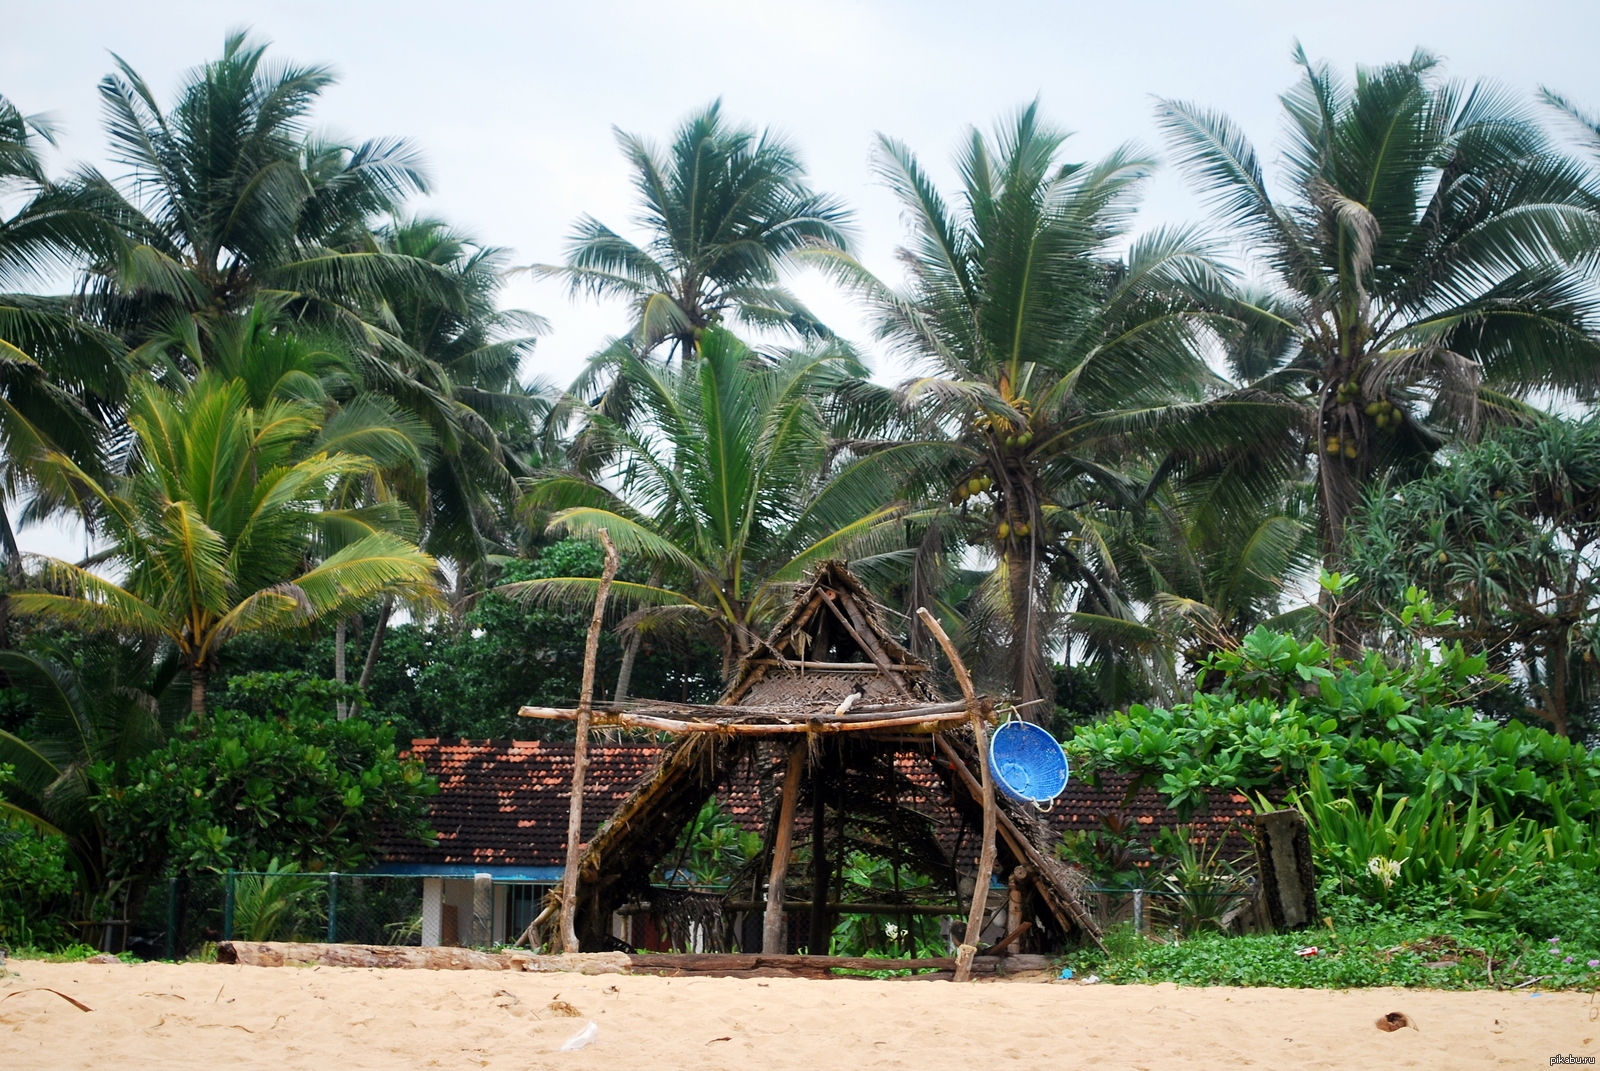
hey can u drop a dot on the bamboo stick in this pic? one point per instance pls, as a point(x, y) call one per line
point(580, 752)
point(772, 924)
point(980, 889)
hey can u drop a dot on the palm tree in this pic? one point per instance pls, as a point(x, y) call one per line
point(58, 373)
point(1425, 255)
point(464, 385)
point(222, 527)
point(1053, 364)
point(723, 207)
point(726, 490)
point(1205, 574)
point(231, 197)
point(460, 379)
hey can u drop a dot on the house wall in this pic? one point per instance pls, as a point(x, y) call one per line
point(432, 911)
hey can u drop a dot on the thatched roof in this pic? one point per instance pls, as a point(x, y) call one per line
point(833, 640)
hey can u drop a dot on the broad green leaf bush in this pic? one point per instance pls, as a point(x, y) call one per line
point(1276, 708)
point(36, 887)
point(281, 779)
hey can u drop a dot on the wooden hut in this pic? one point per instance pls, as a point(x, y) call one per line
point(829, 698)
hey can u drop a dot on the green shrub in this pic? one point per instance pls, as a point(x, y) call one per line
point(1438, 954)
point(269, 906)
point(236, 789)
point(35, 887)
point(1282, 708)
point(1556, 900)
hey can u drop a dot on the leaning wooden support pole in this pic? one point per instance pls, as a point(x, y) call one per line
point(980, 888)
point(772, 942)
point(580, 753)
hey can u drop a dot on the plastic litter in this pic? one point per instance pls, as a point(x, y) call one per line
point(1309, 950)
point(1066, 972)
point(587, 1035)
point(1093, 979)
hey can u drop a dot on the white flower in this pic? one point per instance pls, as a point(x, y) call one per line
point(1385, 870)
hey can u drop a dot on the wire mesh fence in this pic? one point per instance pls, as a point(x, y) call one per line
point(1166, 909)
point(180, 915)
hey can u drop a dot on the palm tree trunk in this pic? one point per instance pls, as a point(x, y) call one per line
point(1340, 482)
point(376, 646)
point(1026, 658)
point(631, 652)
point(338, 666)
point(625, 672)
point(198, 677)
point(13, 557)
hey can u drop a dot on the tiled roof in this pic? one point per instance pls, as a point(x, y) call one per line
point(504, 803)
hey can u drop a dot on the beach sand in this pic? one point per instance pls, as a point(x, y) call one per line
point(225, 1018)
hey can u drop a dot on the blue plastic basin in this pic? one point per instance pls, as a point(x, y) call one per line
point(1027, 763)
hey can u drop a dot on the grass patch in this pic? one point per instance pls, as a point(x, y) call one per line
point(1412, 953)
point(68, 954)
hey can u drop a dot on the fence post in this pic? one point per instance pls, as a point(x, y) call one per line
point(1138, 911)
point(227, 905)
point(333, 907)
point(172, 919)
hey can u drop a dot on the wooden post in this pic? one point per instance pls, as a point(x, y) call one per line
point(580, 752)
point(1014, 907)
point(820, 930)
point(772, 942)
point(980, 888)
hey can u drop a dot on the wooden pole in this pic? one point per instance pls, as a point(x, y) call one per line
point(580, 752)
point(980, 888)
point(1013, 911)
point(772, 942)
point(818, 941)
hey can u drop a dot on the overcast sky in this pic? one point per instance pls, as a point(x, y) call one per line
point(514, 105)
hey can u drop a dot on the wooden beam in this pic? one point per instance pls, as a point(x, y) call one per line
point(820, 931)
point(705, 711)
point(879, 655)
point(818, 724)
point(840, 667)
point(846, 907)
point(980, 888)
point(772, 924)
point(580, 752)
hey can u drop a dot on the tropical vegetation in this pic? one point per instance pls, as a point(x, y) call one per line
point(1295, 503)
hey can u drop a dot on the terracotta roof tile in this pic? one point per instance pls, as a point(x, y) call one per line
point(504, 803)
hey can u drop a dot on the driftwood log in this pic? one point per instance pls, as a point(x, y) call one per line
point(711, 962)
point(435, 958)
point(444, 958)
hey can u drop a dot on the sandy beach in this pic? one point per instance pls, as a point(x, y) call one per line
point(211, 1016)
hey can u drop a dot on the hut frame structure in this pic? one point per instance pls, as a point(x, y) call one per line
point(830, 674)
